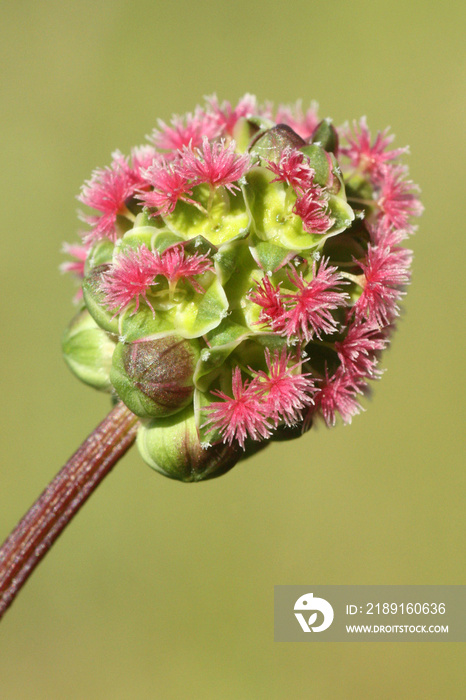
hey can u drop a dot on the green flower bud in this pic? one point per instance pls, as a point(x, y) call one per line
point(171, 446)
point(154, 378)
point(88, 351)
point(326, 136)
point(269, 145)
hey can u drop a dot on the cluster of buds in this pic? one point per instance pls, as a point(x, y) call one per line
point(241, 275)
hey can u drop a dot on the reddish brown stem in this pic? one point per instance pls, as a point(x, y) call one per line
point(61, 500)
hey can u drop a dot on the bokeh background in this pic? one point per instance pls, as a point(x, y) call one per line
point(165, 590)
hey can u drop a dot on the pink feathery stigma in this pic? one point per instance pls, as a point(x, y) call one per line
point(241, 416)
point(142, 157)
point(268, 297)
point(294, 169)
point(313, 210)
point(284, 392)
point(185, 131)
point(79, 252)
point(170, 184)
point(386, 272)
point(396, 198)
point(129, 278)
point(358, 351)
point(107, 192)
point(174, 264)
point(215, 163)
point(301, 123)
point(308, 312)
point(387, 236)
point(226, 116)
point(369, 158)
point(338, 394)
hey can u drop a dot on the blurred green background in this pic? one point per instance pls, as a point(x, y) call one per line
point(165, 590)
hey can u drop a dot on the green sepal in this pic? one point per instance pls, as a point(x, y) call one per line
point(341, 213)
point(247, 129)
point(269, 145)
point(326, 135)
point(152, 238)
point(228, 259)
point(227, 217)
point(199, 245)
point(207, 436)
point(223, 341)
point(172, 447)
point(202, 313)
point(143, 324)
point(100, 253)
point(88, 351)
point(270, 257)
point(94, 299)
point(321, 162)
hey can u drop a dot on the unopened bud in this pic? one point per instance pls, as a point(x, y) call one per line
point(272, 143)
point(171, 446)
point(154, 378)
point(88, 351)
point(326, 136)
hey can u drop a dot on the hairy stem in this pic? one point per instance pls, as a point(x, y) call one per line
point(75, 482)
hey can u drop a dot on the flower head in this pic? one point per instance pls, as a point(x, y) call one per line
point(231, 319)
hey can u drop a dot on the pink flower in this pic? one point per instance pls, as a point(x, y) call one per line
point(107, 192)
point(143, 157)
point(226, 116)
point(313, 210)
point(294, 169)
point(338, 394)
point(185, 131)
point(369, 158)
point(285, 394)
point(358, 350)
point(241, 416)
point(302, 123)
point(129, 278)
point(386, 271)
point(216, 163)
point(79, 252)
point(270, 299)
point(170, 184)
point(396, 199)
point(308, 312)
point(175, 265)
point(135, 271)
